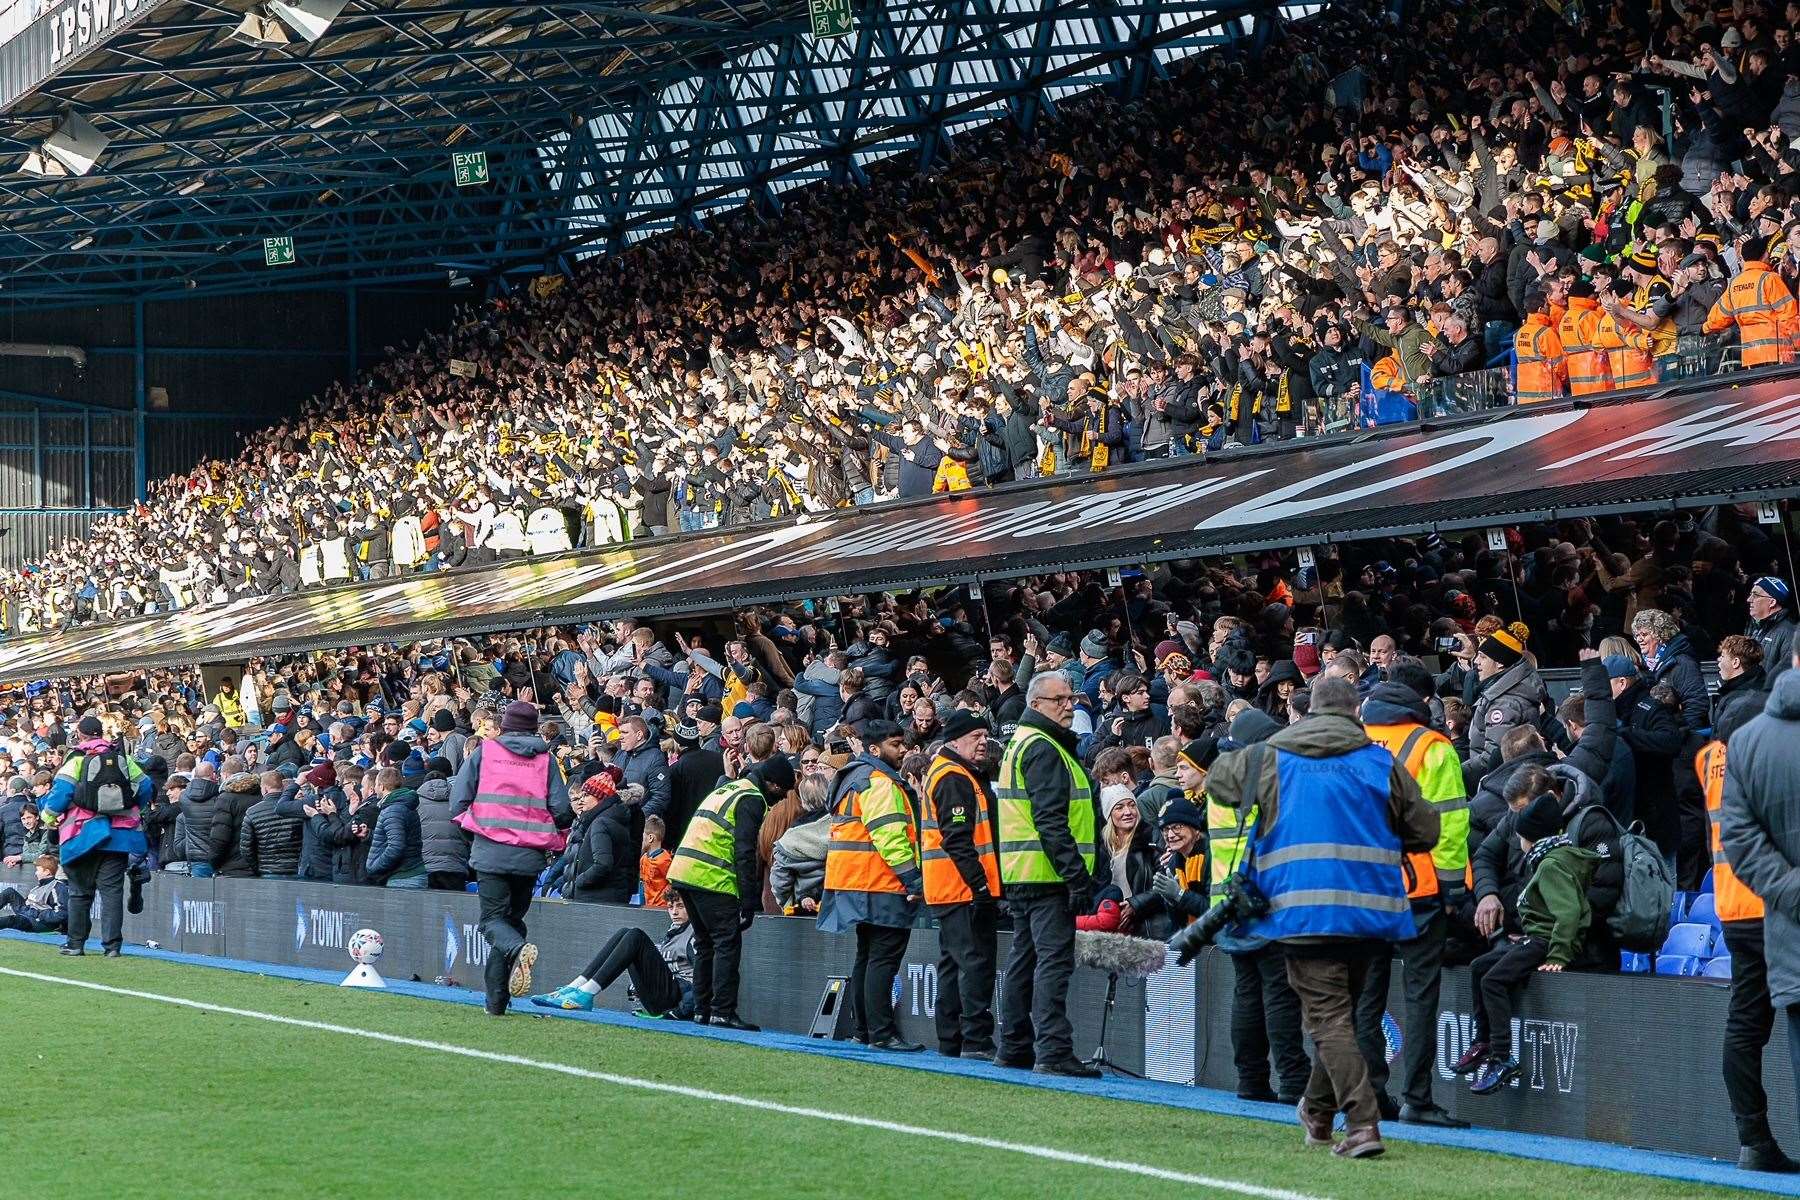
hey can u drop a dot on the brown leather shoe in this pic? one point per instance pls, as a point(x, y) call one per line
point(1360, 1141)
point(1317, 1126)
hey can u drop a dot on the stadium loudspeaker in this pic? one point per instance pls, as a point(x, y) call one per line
point(72, 148)
point(260, 28)
point(308, 18)
point(364, 976)
point(829, 1019)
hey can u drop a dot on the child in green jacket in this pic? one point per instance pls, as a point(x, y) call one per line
point(1554, 915)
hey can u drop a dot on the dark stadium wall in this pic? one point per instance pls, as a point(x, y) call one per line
point(206, 372)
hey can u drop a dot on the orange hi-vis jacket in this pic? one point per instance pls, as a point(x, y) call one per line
point(1732, 900)
point(1762, 308)
point(1627, 352)
point(955, 798)
point(1578, 331)
point(874, 843)
point(1542, 367)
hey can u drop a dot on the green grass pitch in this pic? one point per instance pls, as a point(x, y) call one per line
point(177, 1102)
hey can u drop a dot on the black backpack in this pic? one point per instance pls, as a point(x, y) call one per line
point(1640, 921)
point(104, 786)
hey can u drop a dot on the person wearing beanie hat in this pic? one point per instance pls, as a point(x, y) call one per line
point(444, 739)
point(397, 844)
point(520, 716)
point(1206, 842)
point(511, 796)
point(95, 847)
point(874, 879)
point(1510, 691)
point(1772, 625)
point(1554, 916)
point(960, 869)
point(716, 872)
point(601, 866)
point(1397, 718)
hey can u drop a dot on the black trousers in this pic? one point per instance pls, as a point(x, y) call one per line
point(718, 943)
point(447, 881)
point(97, 873)
point(1749, 1021)
point(1035, 1004)
point(879, 949)
point(1497, 977)
point(505, 899)
point(967, 954)
point(633, 952)
point(1265, 1017)
point(1421, 979)
point(15, 915)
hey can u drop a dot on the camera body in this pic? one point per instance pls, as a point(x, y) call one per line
point(1243, 901)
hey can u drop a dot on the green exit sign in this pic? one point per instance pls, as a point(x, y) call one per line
point(831, 18)
point(278, 252)
point(471, 168)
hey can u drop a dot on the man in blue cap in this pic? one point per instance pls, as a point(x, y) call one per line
point(1772, 623)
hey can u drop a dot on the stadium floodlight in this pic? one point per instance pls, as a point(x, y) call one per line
point(309, 19)
point(189, 188)
point(82, 243)
point(72, 148)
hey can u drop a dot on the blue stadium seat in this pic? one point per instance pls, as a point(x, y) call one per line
point(1678, 907)
point(1717, 968)
point(1706, 885)
point(1704, 911)
point(1688, 940)
point(1634, 964)
point(1675, 964)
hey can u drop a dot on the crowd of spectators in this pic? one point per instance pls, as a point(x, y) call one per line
point(335, 766)
point(1215, 263)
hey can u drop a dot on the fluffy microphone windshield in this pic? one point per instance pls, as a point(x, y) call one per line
point(1120, 954)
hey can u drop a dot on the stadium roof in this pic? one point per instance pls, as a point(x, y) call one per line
point(1537, 463)
point(601, 122)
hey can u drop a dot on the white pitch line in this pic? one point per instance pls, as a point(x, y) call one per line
point(1051, 1153)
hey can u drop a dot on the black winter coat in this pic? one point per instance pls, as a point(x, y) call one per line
point(317, 840)
point(199, 815)
point(269, 839)
point(601, 866)
point(234, 804)
point(396, 849)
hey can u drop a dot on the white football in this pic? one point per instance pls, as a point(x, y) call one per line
point(365, 946)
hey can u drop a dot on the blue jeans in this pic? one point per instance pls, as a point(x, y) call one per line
point(416, 883)
point(690, 522)
point(864, 496)
point(200, 871)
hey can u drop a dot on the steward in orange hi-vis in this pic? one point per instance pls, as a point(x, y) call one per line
point(1761, 308)
point(872, 878)
point(1732, 900)
point(1542, 370)
point(1750, 1018)
point(1628, 356)
point(1579, 332)
point(962, 885)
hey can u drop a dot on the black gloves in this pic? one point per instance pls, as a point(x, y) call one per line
point(746, 919)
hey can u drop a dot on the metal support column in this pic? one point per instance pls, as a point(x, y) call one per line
point(140, 396)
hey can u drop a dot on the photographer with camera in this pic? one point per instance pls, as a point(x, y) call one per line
point(1335, 816)
point(100, 794)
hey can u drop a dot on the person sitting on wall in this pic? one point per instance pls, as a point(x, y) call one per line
point(662, 974)
point(44, 909)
